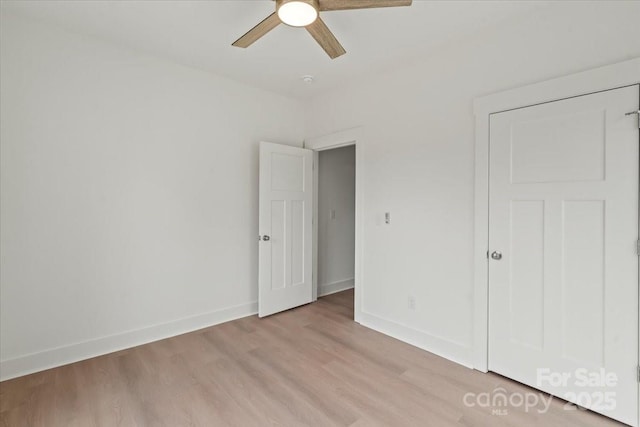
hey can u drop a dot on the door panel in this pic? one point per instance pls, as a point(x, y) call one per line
point(527, 273)
point(285, 217)
point(583, 225)
point(278, 225)
point(564, 214)
point(543, 149)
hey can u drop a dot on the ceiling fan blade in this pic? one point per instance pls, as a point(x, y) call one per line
point(326, 5)
point(268, 24)
point(325, 38)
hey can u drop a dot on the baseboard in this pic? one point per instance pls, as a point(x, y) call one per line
point(332, 288)
point(52, 358)
point(450, 350)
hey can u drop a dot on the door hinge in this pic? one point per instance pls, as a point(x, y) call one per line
point(638, 247)
point(635, 113)
point(639, 373)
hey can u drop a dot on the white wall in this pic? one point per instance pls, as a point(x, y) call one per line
point(336, 233)
point(129, 195)
point(418, 158)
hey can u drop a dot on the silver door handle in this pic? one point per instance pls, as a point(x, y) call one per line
point(266, 238)
point(496, 255)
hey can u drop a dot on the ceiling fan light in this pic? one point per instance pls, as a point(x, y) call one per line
point(298, 13)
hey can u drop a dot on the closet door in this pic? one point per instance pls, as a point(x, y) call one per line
point(563, 268)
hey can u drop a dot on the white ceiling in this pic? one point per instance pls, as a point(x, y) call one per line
point(200, 33)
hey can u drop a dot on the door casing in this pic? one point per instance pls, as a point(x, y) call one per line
point(352, 136)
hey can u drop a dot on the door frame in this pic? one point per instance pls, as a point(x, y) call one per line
point(344, 138)
point(621, 74)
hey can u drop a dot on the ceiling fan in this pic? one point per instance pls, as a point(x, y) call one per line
point(305, 13)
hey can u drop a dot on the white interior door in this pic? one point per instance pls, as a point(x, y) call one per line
point(563, 299)
point(285, 227)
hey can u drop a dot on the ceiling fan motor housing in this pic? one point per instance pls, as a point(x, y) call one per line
point(313, 3)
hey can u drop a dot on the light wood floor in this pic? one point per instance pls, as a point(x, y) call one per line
point(312, 366)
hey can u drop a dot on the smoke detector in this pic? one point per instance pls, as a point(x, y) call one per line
point(308, 79)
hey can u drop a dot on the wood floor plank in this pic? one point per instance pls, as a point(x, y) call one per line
point(311, 366)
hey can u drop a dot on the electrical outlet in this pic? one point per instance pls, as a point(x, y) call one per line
point(411, 303)
point(332, 214)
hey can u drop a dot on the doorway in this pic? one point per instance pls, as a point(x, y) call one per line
point(288, 229)
point(486, 108)
point(335, 218)
point(563, 269)
point(352, 137)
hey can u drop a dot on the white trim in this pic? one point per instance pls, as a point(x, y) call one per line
point(54, 357)
point(343, 138)
point(450, 350)
point(334, 140)
point(333, 287)
point(604, 78)
point(314, 232)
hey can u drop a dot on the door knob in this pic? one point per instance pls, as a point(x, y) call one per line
point(496, 255)
point(266, 238)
